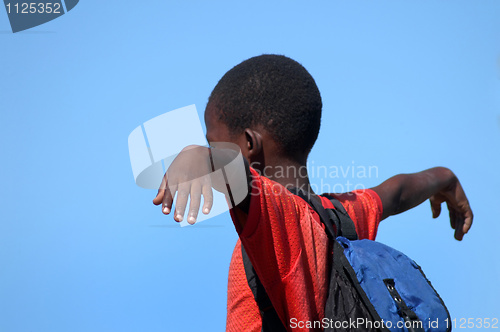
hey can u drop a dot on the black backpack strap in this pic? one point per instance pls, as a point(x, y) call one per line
point(348, 227)
point(337, 221)
point(331, 222)
point(270, 319)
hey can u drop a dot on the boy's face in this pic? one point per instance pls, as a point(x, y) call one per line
point(217, 131)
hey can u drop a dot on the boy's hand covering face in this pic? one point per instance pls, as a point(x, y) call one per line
point(188, 175)
point(458, 206)
point(195, 171)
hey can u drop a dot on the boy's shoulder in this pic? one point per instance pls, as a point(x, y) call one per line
point(271, 201)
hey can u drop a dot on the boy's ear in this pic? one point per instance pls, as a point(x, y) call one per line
point(253, 143)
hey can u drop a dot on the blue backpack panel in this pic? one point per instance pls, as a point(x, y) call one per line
point(394, 283)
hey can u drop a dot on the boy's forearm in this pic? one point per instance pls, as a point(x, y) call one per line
point(405, 191)
point(220, 158)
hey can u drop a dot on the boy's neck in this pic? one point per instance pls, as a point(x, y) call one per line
point(286, 172)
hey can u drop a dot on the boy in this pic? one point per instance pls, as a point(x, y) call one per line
point(270, 107)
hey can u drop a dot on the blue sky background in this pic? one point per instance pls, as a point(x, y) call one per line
point(406, 85)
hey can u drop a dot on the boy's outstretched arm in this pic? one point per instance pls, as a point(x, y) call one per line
point(405, 191)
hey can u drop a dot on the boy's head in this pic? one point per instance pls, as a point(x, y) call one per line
point(269, 96)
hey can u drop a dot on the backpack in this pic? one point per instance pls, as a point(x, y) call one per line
point(373, 287)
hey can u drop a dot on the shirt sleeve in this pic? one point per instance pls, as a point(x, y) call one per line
point(365, 209)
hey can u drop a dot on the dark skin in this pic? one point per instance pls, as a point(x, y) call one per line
point(398, 194)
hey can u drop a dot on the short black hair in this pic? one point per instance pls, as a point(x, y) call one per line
point(273, 91)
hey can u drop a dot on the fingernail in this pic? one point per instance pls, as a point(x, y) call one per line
point(206, 210)
point(166, 210)
point(191, 220)
point(179, 217)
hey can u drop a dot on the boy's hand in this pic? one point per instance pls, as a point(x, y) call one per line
point(458, 206)
point(405, 191)
point(195, 171)
point(188, 175)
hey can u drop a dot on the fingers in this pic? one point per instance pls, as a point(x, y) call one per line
point(459, 234)
point(201, 187)
point(461, 220)
point(194, 206)
point(464, 223)
point(159, 197)
point(453, 216)
point(208, 198)
point(457, 223)
point(463, 212)
point(458, 207)
point(164, 196)
point(435, 207)
point(161, 191)
point(469, 217)
point(183, 191)
point(168, 198)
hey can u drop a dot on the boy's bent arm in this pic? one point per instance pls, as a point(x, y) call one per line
point(405, 191)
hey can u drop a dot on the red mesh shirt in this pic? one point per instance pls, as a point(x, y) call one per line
point(288, 247)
